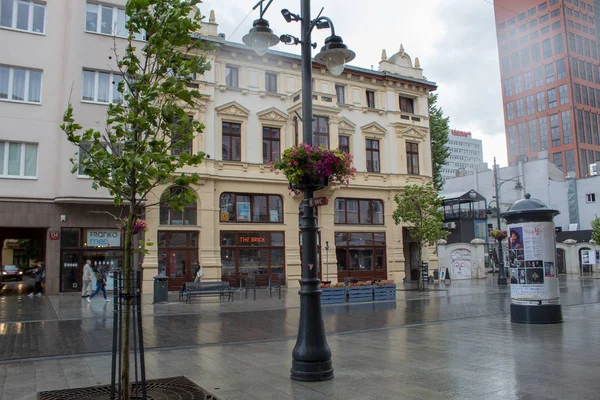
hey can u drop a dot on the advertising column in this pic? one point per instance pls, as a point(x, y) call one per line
point(534, 293)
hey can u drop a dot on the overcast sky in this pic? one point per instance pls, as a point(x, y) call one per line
point(454, 40)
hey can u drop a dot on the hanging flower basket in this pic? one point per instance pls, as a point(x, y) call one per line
point(316, 167)
point(499, 234)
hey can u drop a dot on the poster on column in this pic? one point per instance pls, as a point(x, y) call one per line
point(532, 263)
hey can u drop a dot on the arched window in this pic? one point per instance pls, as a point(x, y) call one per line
point(169, 216)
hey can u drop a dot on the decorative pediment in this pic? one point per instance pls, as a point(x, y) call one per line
point(346, 125)
point(374, 128)
point(273, 114)
point(412, 132)
point(233, 108)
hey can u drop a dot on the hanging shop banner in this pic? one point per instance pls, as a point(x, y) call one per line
point(532, 253)
point(103, 238)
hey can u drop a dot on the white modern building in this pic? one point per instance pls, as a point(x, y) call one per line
point(466, 153)
point(576, 199)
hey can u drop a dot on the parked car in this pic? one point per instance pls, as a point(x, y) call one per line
point(11, 272)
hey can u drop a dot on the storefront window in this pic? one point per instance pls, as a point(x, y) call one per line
point(237, 207)
point(170, 216)
point(360, 255)
point(252, 252)
point(177, 252)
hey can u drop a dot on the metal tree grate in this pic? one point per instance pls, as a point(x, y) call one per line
point(179, 388)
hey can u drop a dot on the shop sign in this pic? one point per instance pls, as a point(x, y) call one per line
point(252, 239)
point(318, 201)
point(460, 133)
point(54, 235)
point(103, 238)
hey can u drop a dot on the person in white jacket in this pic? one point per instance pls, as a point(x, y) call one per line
point(88, 275)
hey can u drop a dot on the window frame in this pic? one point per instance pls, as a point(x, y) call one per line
point(26, 88)
point(321, 121)
point(230, 135)
point(273, 155)
point(139, 36)
point(370, 98)
point(251, 210)
point(409, 102)
point(270, 82)
point(412, 158)
point(30, 17)
point(345, 200)
point(372, 151)
point(190, 147)
point(229, 77)
point(236, 247)
point(340, 92)
point(112, 88)
point(5, 151)
point(188, 207)
point(341, 147)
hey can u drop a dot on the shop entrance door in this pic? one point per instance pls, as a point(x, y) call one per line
point(177, 252)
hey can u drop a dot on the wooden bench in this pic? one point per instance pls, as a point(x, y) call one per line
point(191, 289)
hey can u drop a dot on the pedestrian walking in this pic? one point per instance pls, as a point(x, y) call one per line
point(88, 277)
point(100, 284)
point(39, 276)
point(199, 272)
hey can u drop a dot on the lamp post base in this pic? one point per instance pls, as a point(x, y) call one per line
point(311, 371)
point(502, 279)
point(530, 314)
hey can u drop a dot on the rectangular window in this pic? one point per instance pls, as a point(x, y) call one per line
point(512, 141)
point(531, 12)
point(407, 105)
point(515, 61)
point(520, 108)
point(108, 20)
point(539, 77)
point(592, 97)
point(528, 79)
point(584, 95)
point(188, 148)
point(20, 84)
point(596, 74)
point(555, 130)
point(533, 138)
point(572, 46)
point(566, 128)
point(18, 159)
point(561, 69)
point(586, 47)
point(372, 149)
point(580, 126)
point(412, 158)
point(271, 145)
point(563, 92)
point(236, 207)
point(588, 70)
point(536, 55)
point(270, 82)
point(232, 76)
point(23, 15)
point(577, 93)
point(522, 138)
point(370, 98)
point(508, 88)
point(232, 141)
point(344, 143)
point(510, 111)
point(570, 160)
point(594, 50)
point(544, 18)
point(583, 164)
point(582, 69)
point(557, 159)
point(530, 104)
point(518, 84)
point(595, 129)
point(360, 252)
point(552, 98)
point(549, 73)
point(579, 43)
point(253, 253)
point(588, 126)
point(590, 198)
point(547, 48)
point(574, 67)
point(525, 60)
point(321, 131)
point(543, 123)
point(340, 91)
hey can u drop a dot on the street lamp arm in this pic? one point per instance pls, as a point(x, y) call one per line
point(323, 23)
point(263, 10)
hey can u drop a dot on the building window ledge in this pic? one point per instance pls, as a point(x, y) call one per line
point(23, 31)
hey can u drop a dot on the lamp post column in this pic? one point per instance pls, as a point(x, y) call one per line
point(501, 271)
point(311, 357)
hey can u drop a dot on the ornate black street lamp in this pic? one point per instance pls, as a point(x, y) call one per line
point(311, 358)
point(497, 184)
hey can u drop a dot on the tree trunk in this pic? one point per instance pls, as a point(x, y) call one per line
point(420, 262)
point(126, 317)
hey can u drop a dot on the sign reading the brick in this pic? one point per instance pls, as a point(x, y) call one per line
point(318, 201)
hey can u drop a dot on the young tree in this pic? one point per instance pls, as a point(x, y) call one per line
point(596, 230)
point(420, 208)
point(144, 143)
point(439, 128)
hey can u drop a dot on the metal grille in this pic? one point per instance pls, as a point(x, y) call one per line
point(179, 388)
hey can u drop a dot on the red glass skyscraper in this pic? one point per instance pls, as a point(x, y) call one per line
point(549, 66)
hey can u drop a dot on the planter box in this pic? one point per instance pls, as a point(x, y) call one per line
point(360, 293)
point(333, 295)
point(384, 292)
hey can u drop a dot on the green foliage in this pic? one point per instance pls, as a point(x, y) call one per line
point(420, 208)
point(143, 144)
point(596, 230)
point(439, 128)
point(31, 248)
